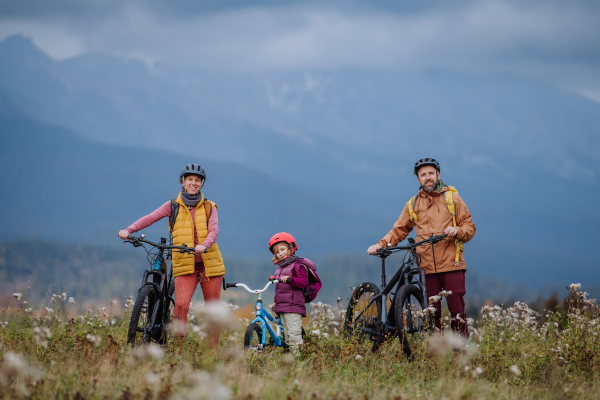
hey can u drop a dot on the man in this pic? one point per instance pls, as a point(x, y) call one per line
point(444, 264)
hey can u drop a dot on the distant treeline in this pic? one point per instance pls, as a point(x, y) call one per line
point(39, 268)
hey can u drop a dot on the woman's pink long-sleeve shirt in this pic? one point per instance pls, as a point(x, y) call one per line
point(165, 211)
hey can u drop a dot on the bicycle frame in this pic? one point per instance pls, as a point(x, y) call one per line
point(404, 276)
point(262, 316)
point(159, 281)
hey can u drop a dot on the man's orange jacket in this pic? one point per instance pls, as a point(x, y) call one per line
point(432, 218)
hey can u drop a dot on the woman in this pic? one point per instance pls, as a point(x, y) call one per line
point(197, 225)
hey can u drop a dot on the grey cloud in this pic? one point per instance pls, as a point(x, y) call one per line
point(485, 36)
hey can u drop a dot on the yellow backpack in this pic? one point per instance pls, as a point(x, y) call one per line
point(450, 205)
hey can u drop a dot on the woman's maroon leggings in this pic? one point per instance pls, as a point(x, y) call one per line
point(450, 281)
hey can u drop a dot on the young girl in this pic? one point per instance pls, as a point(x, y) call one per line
point(292, 272)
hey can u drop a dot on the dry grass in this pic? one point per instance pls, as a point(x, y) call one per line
point(512, 353)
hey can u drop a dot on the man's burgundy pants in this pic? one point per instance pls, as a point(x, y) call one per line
point(449, 281)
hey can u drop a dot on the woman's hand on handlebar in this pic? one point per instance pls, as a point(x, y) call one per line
point(200, 249)
point(372, 250)
point(124, 234)
point(451, 231)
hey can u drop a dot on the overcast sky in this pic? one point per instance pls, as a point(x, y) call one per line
point(557, 41)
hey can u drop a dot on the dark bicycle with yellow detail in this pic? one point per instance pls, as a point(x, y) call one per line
point(406, 314)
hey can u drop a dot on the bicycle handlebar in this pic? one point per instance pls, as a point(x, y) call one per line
point(385, 251)
point(182, 249)
point(271, 282)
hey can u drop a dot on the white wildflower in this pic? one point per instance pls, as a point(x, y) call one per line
point(41, 335)
point(63, 296)
point(574, 286)
point(476, 372)
point(152, 378)
point(214, 314)
point(514, 370)
point(145, 352)
point(71, 300)
point(13, 366)
point(17, 296)
point(440, 345)
point(358, 357)
point(95, 340)
point(204, 386)
point(316, 332)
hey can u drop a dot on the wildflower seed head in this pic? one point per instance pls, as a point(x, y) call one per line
point(214, 314)
point(514, 370)
point(71, 300)
point(17, 296)
point(574, 287)
point(440, 345)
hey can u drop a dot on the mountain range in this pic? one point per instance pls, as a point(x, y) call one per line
point(90, 144)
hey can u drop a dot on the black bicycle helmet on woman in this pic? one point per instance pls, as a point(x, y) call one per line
point(193, 169)
point(426, 161)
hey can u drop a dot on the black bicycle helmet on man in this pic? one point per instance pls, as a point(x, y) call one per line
point(426, 161)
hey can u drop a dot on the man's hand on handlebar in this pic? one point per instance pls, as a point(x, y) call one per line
point(372, 250)
point(124, 234)
point(200, 249)
point(451, 231)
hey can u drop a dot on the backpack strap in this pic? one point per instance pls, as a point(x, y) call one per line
point(452, 210)
point(174, 212)
point(207, 209)
point(411, 208)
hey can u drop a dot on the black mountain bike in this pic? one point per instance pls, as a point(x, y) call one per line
point(153, 308)
point(407, 304)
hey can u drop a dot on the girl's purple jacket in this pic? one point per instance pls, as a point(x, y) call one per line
point(288, 296)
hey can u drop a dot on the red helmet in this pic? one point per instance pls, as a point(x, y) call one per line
point(283, 237)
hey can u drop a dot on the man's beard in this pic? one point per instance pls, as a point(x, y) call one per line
point(430, 188)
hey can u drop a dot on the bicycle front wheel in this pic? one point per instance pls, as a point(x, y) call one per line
point(141, 315)
point(409, 314)
point(359, 302)
point(253, 336)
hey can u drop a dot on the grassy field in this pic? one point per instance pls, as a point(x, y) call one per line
point(512, 353)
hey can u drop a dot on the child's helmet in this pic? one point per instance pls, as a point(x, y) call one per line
point(283, 237)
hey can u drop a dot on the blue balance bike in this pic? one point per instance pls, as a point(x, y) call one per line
point(255, 337)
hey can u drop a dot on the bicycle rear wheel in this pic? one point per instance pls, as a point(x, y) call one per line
point(371, 317)
point(141, 315)
point(409, 314)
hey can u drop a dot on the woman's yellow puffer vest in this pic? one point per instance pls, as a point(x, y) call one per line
point(183, 232)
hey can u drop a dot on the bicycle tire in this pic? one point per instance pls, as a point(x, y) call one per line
point(408, 297)
point(142, 309)
point(249, 335)
point(361, 296)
